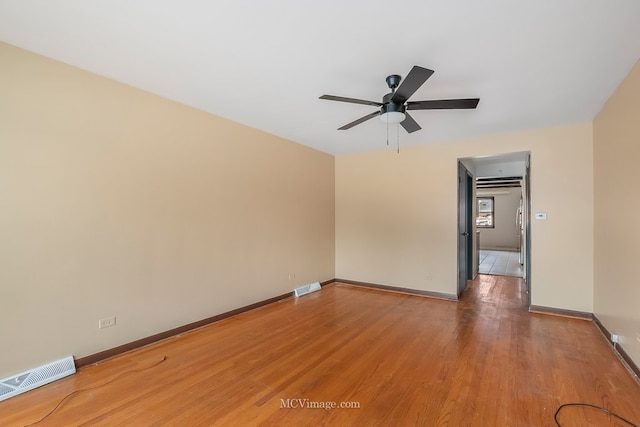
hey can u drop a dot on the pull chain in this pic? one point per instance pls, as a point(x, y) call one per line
point(387, 132)
point(398, 138)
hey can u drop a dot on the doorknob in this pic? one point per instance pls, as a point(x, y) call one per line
point(465, 234)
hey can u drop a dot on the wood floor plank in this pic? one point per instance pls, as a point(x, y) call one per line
point(401, 359)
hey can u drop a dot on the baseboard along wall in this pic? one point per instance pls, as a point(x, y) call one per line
point(439, 295)
point(106, 354)
point(618, 349)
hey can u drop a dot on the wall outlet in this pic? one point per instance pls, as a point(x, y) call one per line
point(292, 276)
point(429, 277)
point(106, 322)
point(615, 338)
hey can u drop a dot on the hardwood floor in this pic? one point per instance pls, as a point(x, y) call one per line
point(400, 359)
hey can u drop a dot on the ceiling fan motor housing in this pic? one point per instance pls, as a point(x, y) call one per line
point(389, 106)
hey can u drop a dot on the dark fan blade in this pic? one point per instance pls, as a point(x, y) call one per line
point(360, 120)
point(443, 104)
point(351, 100)
point(409, 124)
point(416, 78)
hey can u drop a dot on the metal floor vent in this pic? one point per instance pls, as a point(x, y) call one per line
point(306, 289)
point(37, 377)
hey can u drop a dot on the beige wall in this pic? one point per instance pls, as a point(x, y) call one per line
point(396, 214)
point(117, 202)
point(617, 209)
point(505, 235)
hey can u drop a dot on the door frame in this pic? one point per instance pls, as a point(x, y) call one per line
point(527, 227)
point(527, 271)
point(464, 228)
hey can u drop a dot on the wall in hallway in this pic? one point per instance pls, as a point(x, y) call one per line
point(505, 235)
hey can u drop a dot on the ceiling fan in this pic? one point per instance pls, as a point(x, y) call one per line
point(394, 105)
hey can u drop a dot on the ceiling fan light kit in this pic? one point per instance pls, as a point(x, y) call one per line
point(394, 105)
point(393, 117)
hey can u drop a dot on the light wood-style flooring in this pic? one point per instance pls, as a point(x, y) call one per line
point(402, 360)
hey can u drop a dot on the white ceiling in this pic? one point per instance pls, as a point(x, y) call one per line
point(264, 63)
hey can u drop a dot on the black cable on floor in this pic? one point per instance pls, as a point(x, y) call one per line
point(588, 405)
point(82, 390)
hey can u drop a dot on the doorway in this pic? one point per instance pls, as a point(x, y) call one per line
point(503, 183)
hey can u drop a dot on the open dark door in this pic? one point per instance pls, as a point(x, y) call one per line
point(465, 238)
